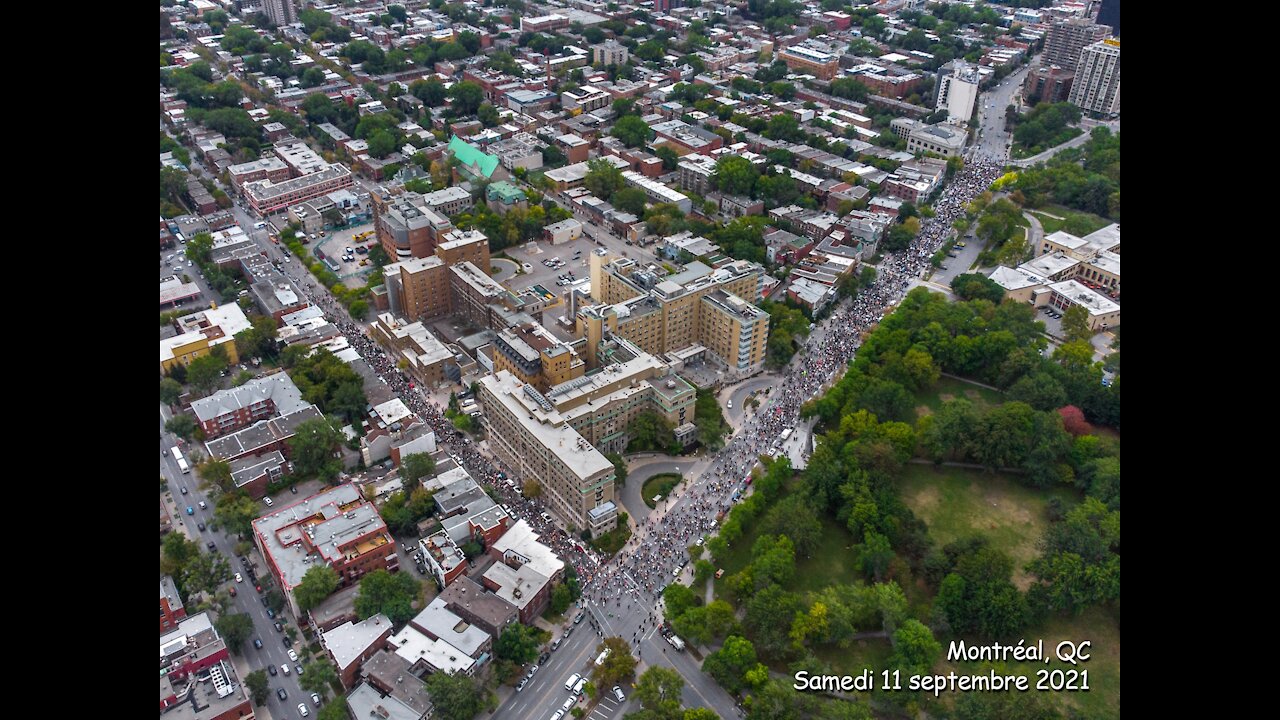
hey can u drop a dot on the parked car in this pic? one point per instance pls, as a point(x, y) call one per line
point(302, 710)
point(617, 692)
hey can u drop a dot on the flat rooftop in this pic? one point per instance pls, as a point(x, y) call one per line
point(546, 425)
point(330, 519)
point(438, 621)
point(521, 540)
point(414, 646)
point(349, 641)
point(1046, 266)
point(1095, 303)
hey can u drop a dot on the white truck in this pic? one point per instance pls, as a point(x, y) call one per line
point(676, 642)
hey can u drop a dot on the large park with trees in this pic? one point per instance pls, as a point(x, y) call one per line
point(963, 486)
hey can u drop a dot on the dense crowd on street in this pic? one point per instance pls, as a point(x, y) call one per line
point(647, 563)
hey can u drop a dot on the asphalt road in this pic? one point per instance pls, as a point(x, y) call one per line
point(993, 140)
point(545, 693)
point(246, 601)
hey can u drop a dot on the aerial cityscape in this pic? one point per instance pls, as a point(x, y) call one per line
point(661, 360)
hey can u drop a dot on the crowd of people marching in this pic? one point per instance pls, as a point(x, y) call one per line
point(646, 564)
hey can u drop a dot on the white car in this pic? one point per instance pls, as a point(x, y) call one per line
point(286, 669)
point(268, 501)
point(302, 710)
point(730, 404)
point(315, 698)
point(617, 692)
point(293, 655)
point(241, 579)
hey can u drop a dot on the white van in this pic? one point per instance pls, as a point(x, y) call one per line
point(577, 688)
point(573, 679)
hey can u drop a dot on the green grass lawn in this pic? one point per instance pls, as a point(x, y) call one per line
point(832, 562)
point(956, 502)
point(930, 401)
point(1083, 221)
point(659, 485)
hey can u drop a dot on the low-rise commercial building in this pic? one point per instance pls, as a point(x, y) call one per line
point(945, 140)
point(266, 197)
point(336, 527)
point(198, 680)
point(200, 332)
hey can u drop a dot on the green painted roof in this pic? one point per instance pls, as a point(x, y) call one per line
point(506, 192)
point(473, 157)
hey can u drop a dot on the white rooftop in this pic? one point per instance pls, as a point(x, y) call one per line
point(1014, 278)
point(412, 645)
point(522, 540)
point(1095, 303)
point(547, 426)
point(349, 641)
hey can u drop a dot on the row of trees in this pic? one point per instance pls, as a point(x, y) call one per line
point(995, 344)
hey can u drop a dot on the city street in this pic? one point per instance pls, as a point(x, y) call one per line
point(545, 693)
point(247, 601)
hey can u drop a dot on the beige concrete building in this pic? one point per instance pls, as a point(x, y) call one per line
point(665, 314)
point(537, 442)
point(425, 354)
point(535, 356)
point(628, 382)
point(735, 331)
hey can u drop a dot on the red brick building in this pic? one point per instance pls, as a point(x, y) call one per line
point(261, 399)
point(337, 527)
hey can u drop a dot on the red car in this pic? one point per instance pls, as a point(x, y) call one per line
point(258, 588)
point(232, 590)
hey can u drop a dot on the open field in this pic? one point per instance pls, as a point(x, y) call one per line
point(956, 502)
point(930, 401)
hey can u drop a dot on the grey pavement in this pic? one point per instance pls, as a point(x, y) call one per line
point(247, 601)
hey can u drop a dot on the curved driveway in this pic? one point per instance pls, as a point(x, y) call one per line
point(643, 469)
point(738, 394)
point(508, 269)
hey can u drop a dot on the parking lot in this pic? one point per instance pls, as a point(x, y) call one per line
point(535, 273)
point(334, 244)
point(960, 264)
point(174, 264)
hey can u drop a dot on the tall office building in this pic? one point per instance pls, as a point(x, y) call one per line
point(1097, 84)
point(1066, 39)
point(280, 12)
point(1109, 15)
